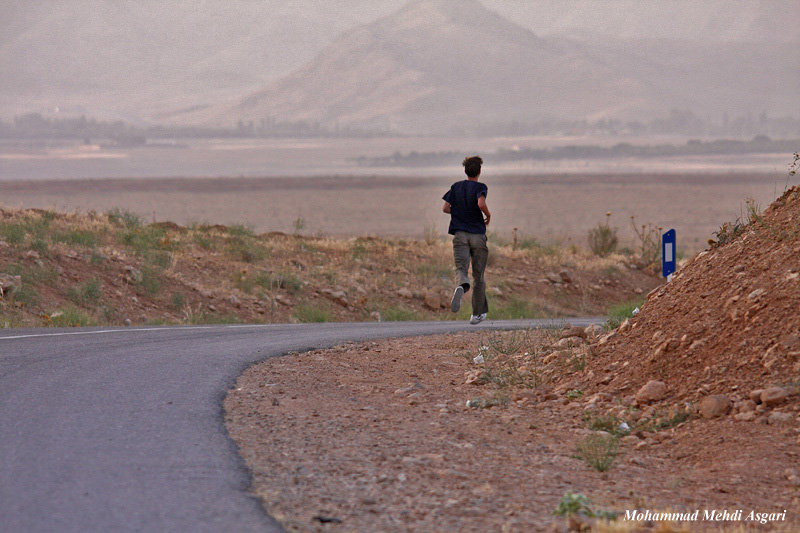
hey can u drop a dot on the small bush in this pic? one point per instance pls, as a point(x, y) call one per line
point(309, 313)
point(619, 312)
point(77, 238)
point(146, 239)
point(69, 318)
point(599, 451)
point(12, 233)
point(360, 250)
point(86, 293)
point(510, 359)
point(649, 246)
point(124, 218)
point(27, 295)
point(239, 230)
point(436, 269)
point(178, 301)
point(203, 241)
point(289, 282)
point(515, 308)
point(572, 503)
point(398, 314)
point(608, 423)
point(603, 239)
point(151, 281)
point(96, 258)
point(246, 250)
point(40, 246)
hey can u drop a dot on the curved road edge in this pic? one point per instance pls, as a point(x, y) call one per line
point(121, 429)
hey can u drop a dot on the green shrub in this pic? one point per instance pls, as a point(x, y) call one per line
point(572, 503)
point(599, 450)
point(77, 238)
point(515, 308)
point(12, 233)
point(178, 301)
point(619, 312)
point(124, 218)
point(151, 281)
point(398, 314)
point(246, 250)
point(40, 246)
point(203, 241)
point(86, 293)
point(239, 230)
point(309, 313)
point(96, 259)
point(27, 295)
point(70, 318)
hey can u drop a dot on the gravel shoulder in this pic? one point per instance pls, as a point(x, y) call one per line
point(376, 436)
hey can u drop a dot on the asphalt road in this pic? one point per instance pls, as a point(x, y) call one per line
point(122, 429)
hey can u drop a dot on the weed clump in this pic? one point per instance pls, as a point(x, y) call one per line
point(308, 313)
point(86, 293)
point(619, 312)
point(576, 503)
point(648, 247)
point(599, 450)
point(603, 238)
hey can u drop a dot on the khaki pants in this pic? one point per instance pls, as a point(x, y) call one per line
point(466, 247)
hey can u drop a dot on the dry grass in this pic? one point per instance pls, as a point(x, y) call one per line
point(217, 271)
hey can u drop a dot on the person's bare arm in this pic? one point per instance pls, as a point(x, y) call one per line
point(487, 216)
point(446, 207)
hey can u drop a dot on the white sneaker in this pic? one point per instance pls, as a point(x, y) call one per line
point(476, 319)
point(455, 303)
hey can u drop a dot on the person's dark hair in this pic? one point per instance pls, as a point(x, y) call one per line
point(472, 166)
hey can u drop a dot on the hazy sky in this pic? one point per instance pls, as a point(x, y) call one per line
point(91, 48)
point(299, 29)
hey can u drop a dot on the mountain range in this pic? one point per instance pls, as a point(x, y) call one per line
point(433, 66)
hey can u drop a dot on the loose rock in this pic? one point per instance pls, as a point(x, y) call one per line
point(774, 396)
point(777, 418)
point(714, 406)
point(651, 392)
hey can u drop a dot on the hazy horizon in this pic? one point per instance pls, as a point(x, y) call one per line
point(130, 61)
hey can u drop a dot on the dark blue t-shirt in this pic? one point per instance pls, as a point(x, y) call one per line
point(465, 215)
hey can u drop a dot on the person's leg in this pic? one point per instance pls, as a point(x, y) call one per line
point(461, 255)
point(480, 256)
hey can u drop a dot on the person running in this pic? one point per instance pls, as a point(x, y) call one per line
point(465, 202)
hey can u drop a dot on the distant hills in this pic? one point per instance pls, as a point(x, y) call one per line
point(434, 66)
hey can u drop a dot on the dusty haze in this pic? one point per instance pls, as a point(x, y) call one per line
point(394, 63)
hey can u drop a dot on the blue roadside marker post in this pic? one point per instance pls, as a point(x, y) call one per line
point(668, 254)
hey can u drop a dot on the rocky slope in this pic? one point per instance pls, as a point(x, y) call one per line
point(724, 335)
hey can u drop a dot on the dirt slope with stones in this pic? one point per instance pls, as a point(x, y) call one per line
point(724, 335)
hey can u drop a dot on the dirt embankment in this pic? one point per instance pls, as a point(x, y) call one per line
point(728, 324)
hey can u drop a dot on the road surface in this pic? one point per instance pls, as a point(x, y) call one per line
point(122, 429)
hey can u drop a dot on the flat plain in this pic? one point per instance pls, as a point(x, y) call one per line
point(316, 187)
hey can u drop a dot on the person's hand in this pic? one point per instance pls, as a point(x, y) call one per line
point(486, 219)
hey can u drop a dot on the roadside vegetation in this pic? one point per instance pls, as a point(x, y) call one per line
point(116, 268)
